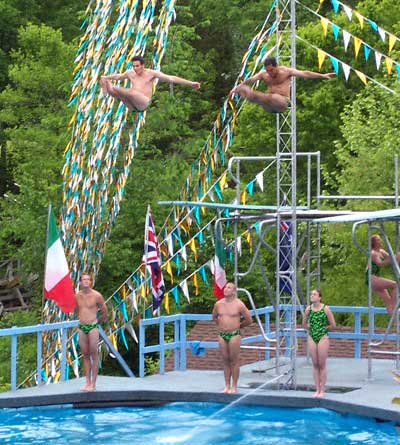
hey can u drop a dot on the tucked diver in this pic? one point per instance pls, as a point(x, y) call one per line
point(277, 78)
point(230, 314)
point(318, 320)
point(138, 96)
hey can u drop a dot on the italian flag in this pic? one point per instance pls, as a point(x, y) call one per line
point(57, 281)
point(219, 271)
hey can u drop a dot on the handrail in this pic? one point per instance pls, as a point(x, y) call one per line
point(39, 329)
point(180, 344)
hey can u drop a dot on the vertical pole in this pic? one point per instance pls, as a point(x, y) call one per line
point(142, 339)
point(14, 362)
point(45, 260)
point(39, 344)
point(370, 309)
point(63, 353)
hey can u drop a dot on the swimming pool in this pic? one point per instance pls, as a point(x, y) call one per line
point(190, 423)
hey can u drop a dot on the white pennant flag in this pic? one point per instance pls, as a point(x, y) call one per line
point(239, 245)
point(210, 265)
point(348, 11)
point(382, 33)
point(184, 256)
point(346, 39)
point(378, 58)
point(132, 297)
point(185, 289)
point(170, 245)
point(260, 181)
point(346, 70)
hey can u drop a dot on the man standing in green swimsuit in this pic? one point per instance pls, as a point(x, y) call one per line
point(230, 314)
point(89, 302)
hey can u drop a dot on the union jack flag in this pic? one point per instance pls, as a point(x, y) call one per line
point(152, 261)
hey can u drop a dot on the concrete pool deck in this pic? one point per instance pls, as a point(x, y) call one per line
point(348, 389)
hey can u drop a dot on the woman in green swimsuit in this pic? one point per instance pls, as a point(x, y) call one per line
point(383, 287)
point(318, 320)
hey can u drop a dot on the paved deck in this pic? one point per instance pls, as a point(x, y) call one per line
point(373, 398)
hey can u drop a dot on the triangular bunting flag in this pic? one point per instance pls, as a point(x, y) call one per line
point(335, 30)
point(382, 33)
point(357, 45)
point(378, 58)
point(389, 64)
point(321, 57)
point(348, 11)
point(324, 24)
point(360, 19)
point(346, 70)
point(392, 41)
point(346, 39)
point(260, 180)
point(367, 50)
point(361, 76)
point(335, 64)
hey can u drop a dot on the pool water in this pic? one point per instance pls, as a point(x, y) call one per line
point(190, 423)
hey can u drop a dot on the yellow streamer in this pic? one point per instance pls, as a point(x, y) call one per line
point(169, 271)
point(192, 245)
point(222, 181)
point(392, 41)
point(166, 302)
point(243, 197)
point(389, 64)
point(360, 18)
point(248, 239)
point(357, 45)
point(196, 284)
point(325, 24)
point(362, 77)
point(321, 57)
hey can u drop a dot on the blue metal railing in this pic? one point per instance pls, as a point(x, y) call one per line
point(180, 344)
point(63, 327)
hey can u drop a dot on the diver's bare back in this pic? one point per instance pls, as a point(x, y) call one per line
point(279, 84)
point(142, 83)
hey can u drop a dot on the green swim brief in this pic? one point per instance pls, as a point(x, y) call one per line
point(87, 327)
point(228, 335)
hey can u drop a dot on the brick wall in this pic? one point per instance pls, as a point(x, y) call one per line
point(207, 331)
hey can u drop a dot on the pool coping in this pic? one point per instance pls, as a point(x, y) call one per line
point(371, 398)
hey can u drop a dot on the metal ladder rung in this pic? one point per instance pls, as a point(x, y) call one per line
point(263, 348)
point(376, 351)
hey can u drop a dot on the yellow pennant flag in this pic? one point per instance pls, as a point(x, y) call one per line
point(169, 271)
point(321, 57)
point(360, 18)
point(222, 181)
point(248, 239)
point(324, 24)
point(357, 45)
point(166, 302)
point(389, 64)
point(392, 41)
point(243, 197)
point(196, 284)
point(362, 77)
point(192, 245)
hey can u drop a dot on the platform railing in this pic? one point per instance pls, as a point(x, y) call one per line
point(15, 332)
point(179, 345)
